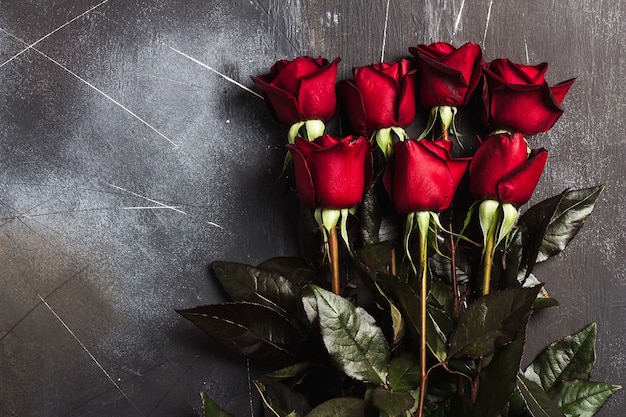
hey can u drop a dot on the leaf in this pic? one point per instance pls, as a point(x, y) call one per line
point(340, 407)
point(569, 358)
point(498, 379)
point(247, 283)
point(536, 399)
point(392, 403)
point(582, 398)
point(285, 373)
point(247, 329)
point(409, 304)
point(280, 401)
point(376, 226)
point(551, 224)
point(376, 256)
point(351, 337)
point(210, 408)
point(491, 321)
point(404, 372)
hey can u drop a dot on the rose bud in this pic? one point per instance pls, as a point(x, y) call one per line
point(503, 169)
point(422, 176)
point(517, 98)
point(332, 172)
point(381, 96)
point(448, 75)
point(301, 90)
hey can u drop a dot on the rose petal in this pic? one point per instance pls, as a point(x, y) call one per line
point(379, 93)
point(282, 105)
point(517, 187)
point(421, 180)
point(561, 89)
point(495, 158)
point(316, 94)
point(337, 173)
point(528, 109)
point(288, 74)
point(353, 105)
point(304, 182)
point(512, 73)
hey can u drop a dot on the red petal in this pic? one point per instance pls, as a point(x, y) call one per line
point(316, 95)
point(379, 93)
point(561, 89)
point(289, 74)
point(354, 106)
point(304, 182)
point(283, 106)
point(528, 109)
point(338, 173)
point(495, 159)
point(406, 107)
point(517, 187)
point(421, 180)
point(512, 73)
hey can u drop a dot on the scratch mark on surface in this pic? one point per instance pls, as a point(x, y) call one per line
point(146, 198)
point(90, 355)
point(487, 22)
point(458, 18)
point(526, 49)
point(250, 387)
point(216, 225)
point(275, 26)
point(126, 109)
point(173, 386)
point(151, 208)
point(51, 33)
point(382, 54)
point(226, 77)
point(28, 313)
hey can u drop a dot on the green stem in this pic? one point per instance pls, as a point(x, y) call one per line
point(490, 251)
point(423, 297)
point(334, 261)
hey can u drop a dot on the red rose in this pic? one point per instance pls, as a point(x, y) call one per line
point(517, 97)
point(381, 96)
point(332, 172)
point(502, 169)
point(302, 89)
point(422, 176)
point(448, 75)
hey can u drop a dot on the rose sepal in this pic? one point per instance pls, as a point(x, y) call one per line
point(384, 139)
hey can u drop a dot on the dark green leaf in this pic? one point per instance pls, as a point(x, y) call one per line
point(351, 336)
point(409, 304)
point(376, 225)
point(392, 403)
point(247, 283)
point(491, 321)
point(497, 380)
point(404, 372)
point(442, 294)
point(550, 225)
point(339, 407)
point(516, 406)
point(292, 371)
point(582, 398)
point(294, 269)
point(280, 401)
point(247, 329)
point(376, 256)
point(210, 408)
point(536, 399)
point(567, 359)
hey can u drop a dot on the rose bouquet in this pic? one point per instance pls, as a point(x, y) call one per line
point(415, 283)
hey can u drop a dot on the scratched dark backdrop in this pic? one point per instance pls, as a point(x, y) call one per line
point(129, 162)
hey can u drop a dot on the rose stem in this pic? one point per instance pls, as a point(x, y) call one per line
point(490, 252)
point(334, 261)
point(393, 268)
point(423, 296)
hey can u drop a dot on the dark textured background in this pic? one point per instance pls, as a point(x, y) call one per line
point(126, 168)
